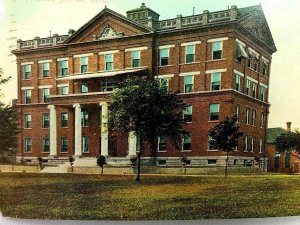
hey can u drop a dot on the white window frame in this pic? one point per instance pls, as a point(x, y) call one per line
point(158, 144)
point(253, 122)
point(27, 121)
point(247, 116)
point(138, 58)
point(85, 145)
point(27, 142)
point(212, 49)
point(26, 69)
point(248, 85)
point(237, 78)
point(262, 120)
point(43, 120)
point(211, 80)
point(260, 145)
point(182, 147)
point(237, 112)
point(112, 61)
point(246, 144)
point(184, 110)
point(210, 105)
point(160, 56)
point(185, 55)
point(193, 86)
point(64, 87)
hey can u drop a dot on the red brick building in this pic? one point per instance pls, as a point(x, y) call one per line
point(219, 61)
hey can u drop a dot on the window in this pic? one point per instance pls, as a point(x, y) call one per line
point(46, 144)
point(45, 120)
point(188, 84)
point(164, 57)
point(85, 145)
point(264, 68)
point(63, 68)
point(64, 120)
point(84, 118)
point(64, 90)
point(45, 94)
point(260, 145)
point(108, 85)
point(246, 144)
point(45, 69)
point(249, 62)
point(262, 118)
point(27, 96)
point(135, 58)
point(186, 143)
point(164, 82)
point(237, 112)
point(211, 146)
point(189, 53)
point(254, 87)
point(83, 64)
point(247, 87)
point(217, 50)
point(109, 62)
point(252, 144)
point(248, 162)
point(211, 162)
point(64, 144)
point(187, 114)
point(215, 81)
point(162, 144)
point(27, 122)
point(27, 144)
point(253, 117)
point(84, 88)
point(237, 82)
point(262, 93)
point(214, 112)
point(255, 66)
point(247, 116)
point(26, 71)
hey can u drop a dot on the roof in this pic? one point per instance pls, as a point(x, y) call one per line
point(273, 133)
point(244, 11)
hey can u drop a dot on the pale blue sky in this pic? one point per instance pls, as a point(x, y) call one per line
point(26, 19)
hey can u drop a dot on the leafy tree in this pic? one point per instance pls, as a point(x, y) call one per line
point(149, 110)
point(8, 127)
point(288, 142)
point(101, 161)
point(224, 136)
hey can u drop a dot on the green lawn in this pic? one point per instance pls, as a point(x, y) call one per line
point(70, 196)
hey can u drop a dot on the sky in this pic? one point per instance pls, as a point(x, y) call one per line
point(26, 19)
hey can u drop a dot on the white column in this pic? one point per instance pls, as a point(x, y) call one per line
point(78, 134)
point(53, 132)
point(131, 143)
point(104, 129)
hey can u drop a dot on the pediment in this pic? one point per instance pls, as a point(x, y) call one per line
point(255, 22)
point(107, 25)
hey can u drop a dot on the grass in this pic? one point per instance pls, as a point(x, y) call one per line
point(93, 197)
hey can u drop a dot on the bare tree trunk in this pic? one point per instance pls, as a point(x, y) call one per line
point(226, 167)
point(101, 170)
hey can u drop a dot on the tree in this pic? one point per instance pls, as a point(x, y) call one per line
point(8, 128)
point(224, 136)
point(149, 110)
point(101, 161)
point(288, 142)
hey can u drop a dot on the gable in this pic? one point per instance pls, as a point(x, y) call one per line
point(107, 24)
point(254, 21)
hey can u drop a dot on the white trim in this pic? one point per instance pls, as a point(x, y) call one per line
point(165, 76)
point(190, 43)
point(136, 49)
point(265, 59)
point(45, 86)
point(252, 79)
point(263, 85)
point(63, 85)
point(83, 55)
point(26, 63)
point(45, 61)
point(62, 59)
point(240, 42)
point(109, 52)
point(189, 73)
point(27, 88)
point(238, 73)
point(254, 52)
point(166, 46)
point(218, 39)
point(216, 71)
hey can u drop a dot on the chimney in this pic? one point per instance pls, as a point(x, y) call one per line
point(289, 126)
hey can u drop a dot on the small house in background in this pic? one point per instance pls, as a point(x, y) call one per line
point(277, 161)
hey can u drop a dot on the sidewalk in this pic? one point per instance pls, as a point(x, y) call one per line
point(260, 221)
